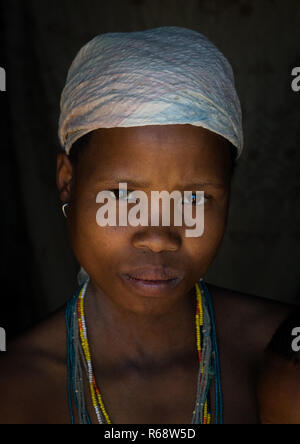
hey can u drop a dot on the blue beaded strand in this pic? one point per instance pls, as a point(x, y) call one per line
point(219, 395)
point(71, 306)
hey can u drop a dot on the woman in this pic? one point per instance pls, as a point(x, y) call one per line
point(144, 340)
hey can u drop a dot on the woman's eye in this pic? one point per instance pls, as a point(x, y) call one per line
point(122, 194)
point(195, 199)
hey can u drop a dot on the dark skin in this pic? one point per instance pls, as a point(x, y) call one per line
point(279, 391)
point(143, 347)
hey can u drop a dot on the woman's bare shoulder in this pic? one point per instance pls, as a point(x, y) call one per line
point(248, 316)
point(47, 337)
point(33, 372)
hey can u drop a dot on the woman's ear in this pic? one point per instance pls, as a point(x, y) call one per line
point(64, 177)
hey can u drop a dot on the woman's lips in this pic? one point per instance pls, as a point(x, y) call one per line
point(150, 286)
point(153, 273)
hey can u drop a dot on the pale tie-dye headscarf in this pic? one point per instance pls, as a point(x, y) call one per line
point(162, 76)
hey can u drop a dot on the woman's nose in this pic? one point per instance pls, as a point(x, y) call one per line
point(157, 240)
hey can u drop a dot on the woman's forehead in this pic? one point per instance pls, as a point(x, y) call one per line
point(161, 136)
point(153, 152)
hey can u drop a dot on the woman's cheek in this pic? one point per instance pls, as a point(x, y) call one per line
point(214, 228)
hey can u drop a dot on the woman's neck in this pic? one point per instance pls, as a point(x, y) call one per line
point(116, 334)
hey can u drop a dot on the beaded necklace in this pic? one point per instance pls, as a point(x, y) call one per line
point(78, 351)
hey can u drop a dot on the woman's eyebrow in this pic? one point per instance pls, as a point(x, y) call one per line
point(204, 184)
point(130, 182)
point(136, 183)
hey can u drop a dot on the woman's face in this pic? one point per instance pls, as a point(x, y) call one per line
point(149, 158)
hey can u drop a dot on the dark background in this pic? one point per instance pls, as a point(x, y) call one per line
point(39, 39)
